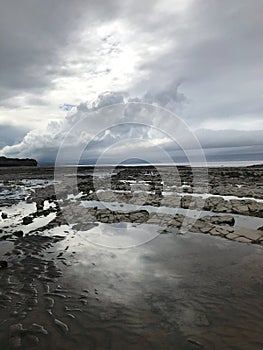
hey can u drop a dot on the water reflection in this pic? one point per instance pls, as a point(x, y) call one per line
point(120, 235)
point(200, 289)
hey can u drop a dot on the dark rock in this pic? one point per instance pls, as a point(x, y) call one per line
point(220, 220)
point(260, 228)
point(18, 233)
point(3, 264)
point(27, 220)
point(186, 201)
point(139, 216)
point(40, 205)
point(165, 231)
point(5, 237)
point(4, 216)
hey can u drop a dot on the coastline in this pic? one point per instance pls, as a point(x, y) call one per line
point(112, 264)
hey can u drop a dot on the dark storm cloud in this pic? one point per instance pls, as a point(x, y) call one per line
point(214, 48)
point(43, 145)
point(32, 35)
point(217, 52)
point(10, 135)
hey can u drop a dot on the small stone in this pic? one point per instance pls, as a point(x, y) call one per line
point(18, 233)
point(4, 216)
point(27, 220)
point(165, 231)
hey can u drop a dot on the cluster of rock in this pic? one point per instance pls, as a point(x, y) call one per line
point(238, 191)
point(220, 205)
point(215, 204)
point(121, 192)
point(223, 225)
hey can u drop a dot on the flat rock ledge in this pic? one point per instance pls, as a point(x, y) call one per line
point(250, 207)
point(215, 225)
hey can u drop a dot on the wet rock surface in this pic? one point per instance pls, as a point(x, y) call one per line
point(56, 288)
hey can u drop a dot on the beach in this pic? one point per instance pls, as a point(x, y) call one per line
point(131, 257)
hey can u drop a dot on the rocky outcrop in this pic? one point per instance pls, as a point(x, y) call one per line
point(248, 207)
point(10, 162)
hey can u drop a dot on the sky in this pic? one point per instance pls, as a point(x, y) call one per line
point(200, 60)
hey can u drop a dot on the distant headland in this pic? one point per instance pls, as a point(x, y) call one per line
point(10, 162)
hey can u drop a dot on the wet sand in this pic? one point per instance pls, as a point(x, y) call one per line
point(178, 291)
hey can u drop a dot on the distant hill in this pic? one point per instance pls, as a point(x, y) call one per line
point(6, 162)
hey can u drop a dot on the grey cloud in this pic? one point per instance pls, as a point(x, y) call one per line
point(10, 135)
point(217, 52)
point(229, 138)
point(209, 70)
point(214, 49)
point(39, 143)
point(37, 101)
point(34, 33)
point(43, 145)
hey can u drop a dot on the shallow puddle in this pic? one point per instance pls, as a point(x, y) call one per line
point(205, 290)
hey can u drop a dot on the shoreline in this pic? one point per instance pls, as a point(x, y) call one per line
point(83, 265)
